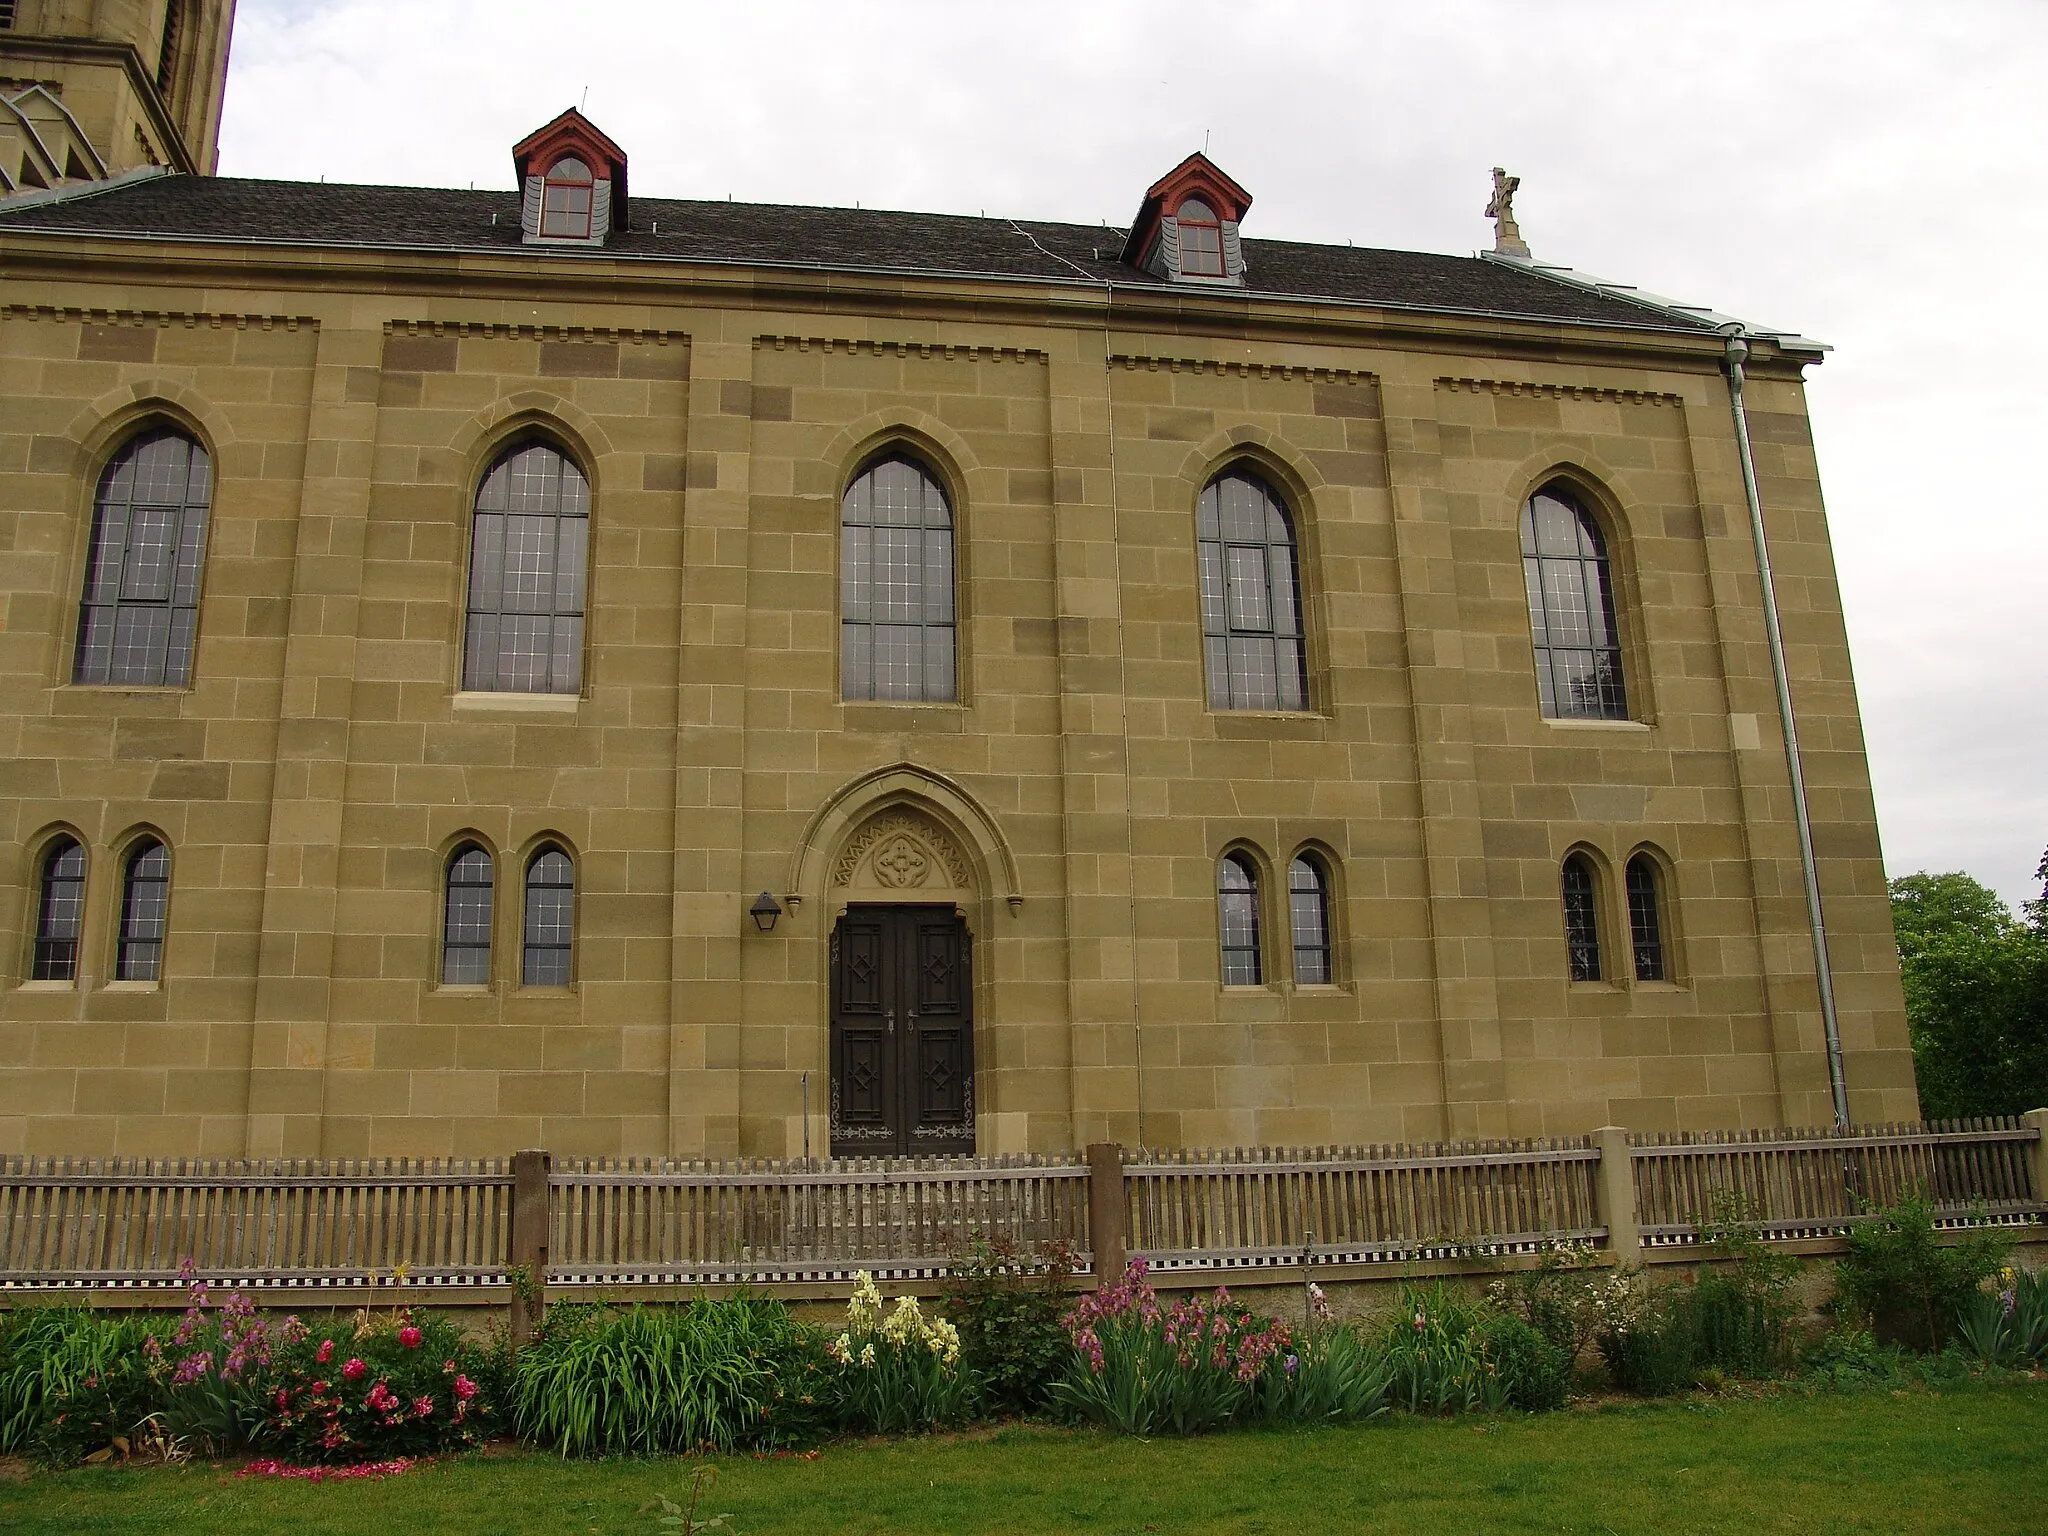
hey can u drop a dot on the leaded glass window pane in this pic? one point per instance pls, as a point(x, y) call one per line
point(1251, 597)
point(1645, 922)
point(528, 563)
point(550, 918)
point(466, 924)
point(1571, 610)
point(897, 618)
point(145, 909)
point(1237, 896)
point(139, 614)
point(1581, 920)
point(1201, 240)
point(60, 915)
point(1308, 915)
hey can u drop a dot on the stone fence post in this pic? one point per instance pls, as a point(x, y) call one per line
point(528, 1246)
point(1106, 1233)
point(1617, 1188)
point(2038, 1119)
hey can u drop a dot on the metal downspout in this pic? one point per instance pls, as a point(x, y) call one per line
point(1738, 353)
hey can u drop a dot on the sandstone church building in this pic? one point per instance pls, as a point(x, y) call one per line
point(556, 667)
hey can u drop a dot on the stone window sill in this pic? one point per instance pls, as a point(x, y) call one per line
point(1597, 725)
point(49, 986)
point(133, 986)
point(468, 703)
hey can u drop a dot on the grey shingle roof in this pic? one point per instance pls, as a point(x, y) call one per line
point(334, 214)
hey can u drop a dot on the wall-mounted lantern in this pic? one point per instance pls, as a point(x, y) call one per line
point(764, 912)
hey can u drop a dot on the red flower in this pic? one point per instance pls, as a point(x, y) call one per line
point(465, 1389)
point(353, 1370)
point(409, 1336)
point(325, 1352)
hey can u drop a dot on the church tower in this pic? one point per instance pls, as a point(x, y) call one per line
point(95, 88)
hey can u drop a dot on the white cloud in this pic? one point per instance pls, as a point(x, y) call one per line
point(1864, 172)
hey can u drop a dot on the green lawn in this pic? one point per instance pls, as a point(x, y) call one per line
point(1971, 1460)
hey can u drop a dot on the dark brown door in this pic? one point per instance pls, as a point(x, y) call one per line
point(902, 1033)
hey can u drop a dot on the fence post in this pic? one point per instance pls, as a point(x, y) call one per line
point(529, 1242)
point(1618, 1196)
point(2038, 1119)
point(1106, 1210)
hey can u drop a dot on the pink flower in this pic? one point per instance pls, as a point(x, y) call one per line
point(465, 1389)
point(353, 1370)
point(409, 1336)
point(325, 1352)
point(422, 1407)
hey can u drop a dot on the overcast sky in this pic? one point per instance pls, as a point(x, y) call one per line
point(1869, 174)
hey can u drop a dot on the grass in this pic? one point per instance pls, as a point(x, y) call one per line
point(1915, 1461)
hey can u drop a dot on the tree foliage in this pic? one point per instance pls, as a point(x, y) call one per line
point(1976, 994)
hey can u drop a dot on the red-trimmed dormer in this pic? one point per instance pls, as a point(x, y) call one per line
point(1186, 230)
point(574, 180)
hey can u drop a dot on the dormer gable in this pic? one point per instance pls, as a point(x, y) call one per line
point(573, 181)
point(1186, 229)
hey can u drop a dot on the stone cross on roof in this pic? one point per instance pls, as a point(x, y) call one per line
point(1507, 235)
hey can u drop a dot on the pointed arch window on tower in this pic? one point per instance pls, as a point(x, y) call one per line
point(1201, 239)
point(466, 919)
point(1645, 920)
point(1581, 919)
point(550, 919)
point(145, 912)
point(1251, 596)
point(897, 627)
point(1237, 901)
point(526, 574)
point(60, 913)
point(140, 613)
point(566, 200)
point(1571, 610)
point(1308, 914)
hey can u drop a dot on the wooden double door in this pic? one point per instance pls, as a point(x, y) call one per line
point(902, 1033)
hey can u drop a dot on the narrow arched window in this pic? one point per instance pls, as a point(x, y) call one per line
point(60, 912)
point(1251, 597)
point(1237, 897)
point(1581, 919)
point(1645, 921)
point(527, 559)
point(466, 919)
point(140, 611)
point(1308, 915)
point(1201, 240)
point(145, 909)
point(896, 632)
point(550, 918)
point(565, 202)
point(1571, 610)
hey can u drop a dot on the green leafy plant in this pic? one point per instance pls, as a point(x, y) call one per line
point(2008, 1326)
point(597, 1381)
point(1906, 1282)
point(72, 1381)
point(1561, 1297)
point(1332, 1376)
point(1535, 1373)
point(377, 1388)
point(682, 1519)
point(1438, 1355)
point(213, 1372)
point(897, 1374)
point(1009, 1306)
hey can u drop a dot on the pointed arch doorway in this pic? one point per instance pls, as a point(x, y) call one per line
point(902, 1032)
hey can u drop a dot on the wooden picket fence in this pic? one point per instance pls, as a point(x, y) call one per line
point(1814, 1182)
point(454, 1228)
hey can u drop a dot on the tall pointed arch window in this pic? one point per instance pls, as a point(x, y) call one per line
point(145, 913)
point(1237, 901)
point(550, 919)
point(1581, 919)
point(60, 912)
point(1251, 596)
point(1308, 915)
point(466, 919)
point(1571, 610)
point(1645, 918)
point(897, 622)
point(527, 562)
point(140, 612)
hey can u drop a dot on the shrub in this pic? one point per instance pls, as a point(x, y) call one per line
point(596, 1381)
point(1535, 1373)
point(71, 1381)
point(1851, 1359)
point(1439, 1363)
point(2008, 1326)
point(1562, 1298)
point(1146, 1370)
point(380, 1388)
point(213, 1372)
point(1009, 1308)
point(1332, 1376)
point(1909, 1285)
point(899, 1374)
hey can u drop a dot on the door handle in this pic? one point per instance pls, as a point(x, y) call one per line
point(889, 1021)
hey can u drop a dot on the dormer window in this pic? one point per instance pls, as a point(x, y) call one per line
point(1186, 229)
point(565, 203)
point(573, 181)
point(1201, 240)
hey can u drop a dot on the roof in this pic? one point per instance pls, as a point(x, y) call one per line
point(337, 215)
